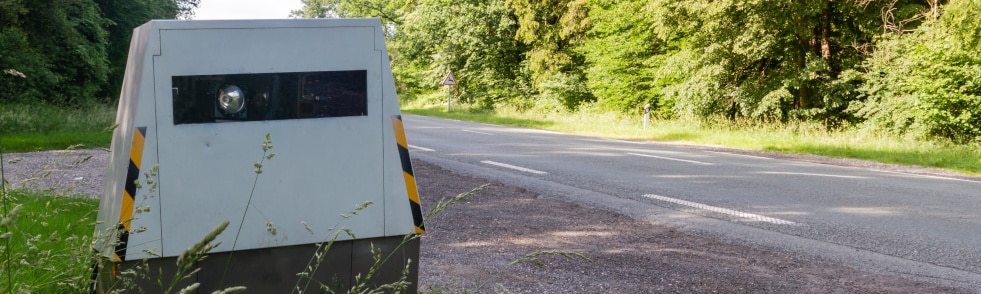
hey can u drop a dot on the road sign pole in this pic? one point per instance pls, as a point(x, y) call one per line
point(449, 81)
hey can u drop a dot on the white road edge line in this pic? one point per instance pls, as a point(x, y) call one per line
point(505, 165)
point(810, 174)
point(476, 132)
point(878, 170)
point(669, 158)
point(731, 212)
point(927, 176)
point(421, 148)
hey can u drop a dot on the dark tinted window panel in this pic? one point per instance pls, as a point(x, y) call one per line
point(269, 96)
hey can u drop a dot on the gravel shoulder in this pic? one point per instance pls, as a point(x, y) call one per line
point(62, 172)
point(470, 246)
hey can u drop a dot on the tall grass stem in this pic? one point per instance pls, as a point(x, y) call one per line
point(6, 210)
point(266, 146)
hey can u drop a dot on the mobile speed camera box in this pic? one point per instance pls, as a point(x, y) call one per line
point(197, 103)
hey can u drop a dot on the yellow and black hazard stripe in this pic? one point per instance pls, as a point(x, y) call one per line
point(129, 193)
point(410, 180)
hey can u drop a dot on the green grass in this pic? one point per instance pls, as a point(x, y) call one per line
point(799, 138)
point(45, 247)
point(48, 249)
point(39, 127)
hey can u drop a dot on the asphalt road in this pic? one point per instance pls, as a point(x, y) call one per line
point(923, 227)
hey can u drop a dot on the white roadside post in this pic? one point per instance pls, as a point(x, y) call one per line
point(196, 104)
point(449, 81)
point(647, 114)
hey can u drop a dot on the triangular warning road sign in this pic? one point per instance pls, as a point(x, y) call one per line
point(449, 80)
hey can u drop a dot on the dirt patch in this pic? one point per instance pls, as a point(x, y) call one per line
point(469, 248)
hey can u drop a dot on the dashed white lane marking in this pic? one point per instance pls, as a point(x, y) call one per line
point(669, 158)
point(737, 154)
point(476, 132)
point(421, 148)
point(731, 212)
point(815, 175)
point(626, 142)
point(514, 167)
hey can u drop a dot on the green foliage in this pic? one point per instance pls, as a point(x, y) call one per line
point(389, 11)
point(551, 30)
point(72, 51)
point(317, 9)
point(563, 91)
point(60, 47)
point(623, 55)
point(123, 17)
point(839, 63)
point(927, 84)
point(962, 20)
point(763, 59)
point(471, 38)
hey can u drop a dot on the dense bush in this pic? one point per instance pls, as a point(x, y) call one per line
point(59, 46)
point(621, 64)
point(72, 51)
point(927, 83)
point(474, 39)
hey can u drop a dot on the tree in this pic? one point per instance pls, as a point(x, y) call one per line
point(389, 11)
point(551, 29)
point(766, 59)
point(181, 9)
point(123, 17)
point(60, 47)
point(474, 39)
point(73, 51)
point(926, 83)
point(428, 38)
point(623, 55)
point(318, 9)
